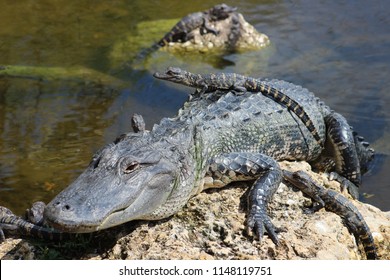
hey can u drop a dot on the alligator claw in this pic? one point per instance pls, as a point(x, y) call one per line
point(258, 221)
point(353, 190)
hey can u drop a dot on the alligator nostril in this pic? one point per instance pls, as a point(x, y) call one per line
point(66, 207)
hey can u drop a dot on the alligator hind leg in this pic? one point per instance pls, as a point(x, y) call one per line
point(231, 167)
point(341, 144)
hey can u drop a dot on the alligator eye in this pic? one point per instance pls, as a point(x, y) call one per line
point(131, 167)
point(173, 71)
point(96, 163)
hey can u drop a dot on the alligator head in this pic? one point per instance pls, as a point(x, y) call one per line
point(221, 11)
point(173, 74)
point(127, 180)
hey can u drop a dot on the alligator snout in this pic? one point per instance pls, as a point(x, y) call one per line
point(63, 206)
point(61, 215)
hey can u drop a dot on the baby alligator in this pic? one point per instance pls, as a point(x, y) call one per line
point(336, 203)
point(240, 84)
point(18, 226)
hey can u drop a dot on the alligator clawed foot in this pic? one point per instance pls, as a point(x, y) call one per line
point(353, 190)
point(259, 223)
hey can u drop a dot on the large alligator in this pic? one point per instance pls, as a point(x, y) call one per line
point(215, 139)
point(337, 203)
point(180, 32)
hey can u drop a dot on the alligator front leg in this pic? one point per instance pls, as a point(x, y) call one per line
point(341, 145)
point(35, 213)
point(243, 166)
point(208, 28)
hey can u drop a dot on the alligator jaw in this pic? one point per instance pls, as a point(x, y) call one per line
point(72, 227)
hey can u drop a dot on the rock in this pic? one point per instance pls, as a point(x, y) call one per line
point(211, 226)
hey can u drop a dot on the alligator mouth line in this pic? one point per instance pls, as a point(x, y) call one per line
point(73, 227)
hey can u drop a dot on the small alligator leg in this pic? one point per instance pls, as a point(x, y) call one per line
point(341, 143)
point(336, 203)
point(35, 213)
point(208, 28)
point(246, 166)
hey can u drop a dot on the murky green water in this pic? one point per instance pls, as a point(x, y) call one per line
point(49, 128)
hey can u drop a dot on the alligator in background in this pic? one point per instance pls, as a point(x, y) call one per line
point(215, 139)
point(180, 32)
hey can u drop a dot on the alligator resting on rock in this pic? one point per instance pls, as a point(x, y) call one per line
point(215, 139)
point(180, 32)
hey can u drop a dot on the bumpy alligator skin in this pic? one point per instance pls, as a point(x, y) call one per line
point(214, 139)
point(238, 83)
point(337, 203)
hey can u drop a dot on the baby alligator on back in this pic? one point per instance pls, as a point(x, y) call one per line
point(239, 84)
point(215, 139)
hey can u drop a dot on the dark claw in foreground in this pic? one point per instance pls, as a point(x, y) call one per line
point(258, 221)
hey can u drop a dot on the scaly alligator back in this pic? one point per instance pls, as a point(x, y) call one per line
point(239, 83)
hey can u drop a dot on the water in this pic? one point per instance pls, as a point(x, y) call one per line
point(49, 128)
